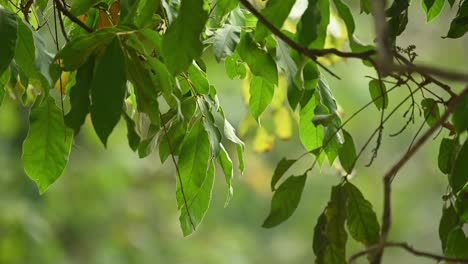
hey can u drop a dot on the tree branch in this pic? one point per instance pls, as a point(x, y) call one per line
point(387, 179)
point(408, 248)
point(70, 16)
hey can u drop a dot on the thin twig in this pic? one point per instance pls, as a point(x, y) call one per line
point(70, 16)
point(408, 248)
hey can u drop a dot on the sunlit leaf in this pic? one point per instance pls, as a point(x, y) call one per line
point(47, 145)
point(276, 12)
point(181, 44)
point(432, 8)
point(261, 93)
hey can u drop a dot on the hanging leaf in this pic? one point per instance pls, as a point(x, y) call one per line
point(459, 177)
point(261, 94)
point(457, 243)
point(311, 136)
point(193, 168)
point(312, 28)
point(276, 12)
point(347, 152)
point(8, 29)
point(225, 41)
point(132, 135)
point(459, 117)
point(261, 64)
point(448, 222)
point(285, 200)
point(79, 96)
point(378, 92)
point(224, 160)
point(362, 221)
point(181, 43)
point(47, 145)
point(282, 166)
point(432, 8)
point(431, 111)
point(459, 27)
point(108, 88)
point(447, 153)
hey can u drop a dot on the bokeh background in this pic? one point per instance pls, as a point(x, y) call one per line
point(112, 207)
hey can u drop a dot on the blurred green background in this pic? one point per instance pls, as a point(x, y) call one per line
point(112, 207)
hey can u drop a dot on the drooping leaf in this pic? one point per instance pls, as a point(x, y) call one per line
point(225, 40)
point(132, 136)
point(362, 221)
point(285, 200)
point(459, 26)
point(8, 29)
point(108, 88)
point(459, 176)
point(431, 111)
point(47, 145)
point(345, 13)
point(320, 240)
point(276, 12)
point(198, 80)
point(225, 6)
point(79, 96)
point(282, 166)
point(181, 43)
point(378, 92)
point(432, 8)
point(261, 64)
point(457, 243)
point(261, 94)
point(311, 136)
point(224, 160)
point(347, 152)
point(366, 6)
point(234, 68)
point(230, 134)
point(80, 7)
point(172, 141)
point(333, 248)
point(210, 127)
point(193, 168)
point(146, 10)
point(312, 28)
point(447, 153)
point(448, 222)
point(459, 117)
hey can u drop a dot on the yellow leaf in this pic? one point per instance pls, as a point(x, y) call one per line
point(280, 93)
point(263, 141)
point(283, 124)
point(61, 83)
point(246, 87)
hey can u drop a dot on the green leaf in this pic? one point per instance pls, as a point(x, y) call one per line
point(198, 80)
point(261, 64)
point(261, 94)
point(457, 243)
point(285, 200)
point(108, 89)
point(234, 68)
point(181, 44)
point(282, 166)
point(79, 7)
point(191, 188)
point(459, 26)
point(366, 6)
point(224, 160)
point(172, 140)
point(8, 31)
point(276, 12)
point(459, 176)
point(311, 136)
point(210, 127)
point(459, 117)
point(333, 249)
point(362, 221)
point(230, 134)
point(447, 153)
point(225, 6)
point(320, 240)
point(432, 8)
point(79, 96)
point(312, 28)
point(132, 135)
point(345, 13)
point(378, 92)
point(225, 41)
point(431, 111)
point(47, 145)
point(77, 51)
point(448, 222)
point(347, 152)
point(3, 82)
point(145, 12)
